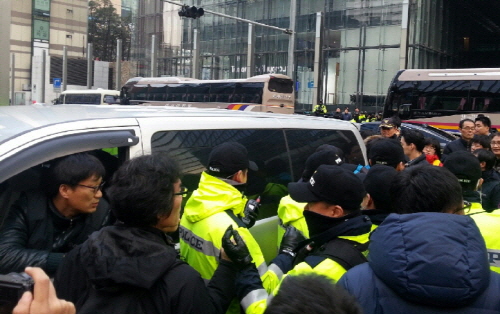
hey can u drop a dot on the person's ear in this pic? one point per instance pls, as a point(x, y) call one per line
point(400, 166)
point(367, 202)
point(336, 211)
point(64, 190)
point(238, 176)
point(370, 162)
point(479, 183)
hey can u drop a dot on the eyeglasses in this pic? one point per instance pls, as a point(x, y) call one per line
point(465, 208)
point(469, 128)
point(184, 191)
point(95, 188)
point(495, 143)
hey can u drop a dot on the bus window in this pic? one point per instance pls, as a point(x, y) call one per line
point(280, 85)
point(221, 92)
point(250, 92)
point(197, 92)
point(83, 99)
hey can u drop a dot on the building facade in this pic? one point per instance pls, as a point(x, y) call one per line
point(364, 43)
point(28, 28)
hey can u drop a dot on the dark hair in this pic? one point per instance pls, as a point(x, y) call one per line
point(483, 140)
point(72, 170)
point(143, 189)
point(370, 140)
point(461, 123)
point(414, 137)
point(312, 294)
point(435, 144)
point(484, 120)
point(425, 189)
point(486, 156)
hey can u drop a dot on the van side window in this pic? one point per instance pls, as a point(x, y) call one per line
point(265, 147)
point(302, 143)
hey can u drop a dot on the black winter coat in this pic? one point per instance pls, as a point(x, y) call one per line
point(118, 264)
point(36, 234)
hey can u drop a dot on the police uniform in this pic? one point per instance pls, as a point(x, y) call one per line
point(336, 244)
point(214, 206)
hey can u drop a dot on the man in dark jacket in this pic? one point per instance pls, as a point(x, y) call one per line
point(377, 202)
point(42, 227)
point(413, 143)
point(132, 267)
point(466, 128)
point(442, 266)
point(490, 188)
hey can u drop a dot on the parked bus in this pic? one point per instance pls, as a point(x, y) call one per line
point(442, 98)
point(262, 93)
point(89, 97)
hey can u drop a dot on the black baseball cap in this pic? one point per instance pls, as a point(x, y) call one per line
point(228, 158)
point(464, 165)
point(378, 182)
point(317, 159)
point(387, 152)
point(332, 184)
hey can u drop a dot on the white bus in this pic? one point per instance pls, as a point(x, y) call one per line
point(443, 97)
point(89, 97)
point(262, 93)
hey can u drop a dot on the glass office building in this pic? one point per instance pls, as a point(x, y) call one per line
point(364, 43)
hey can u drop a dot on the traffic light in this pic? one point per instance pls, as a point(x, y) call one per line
point(192, 12)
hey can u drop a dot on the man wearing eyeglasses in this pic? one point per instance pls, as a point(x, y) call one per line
point(42, 226)
point(467, 129)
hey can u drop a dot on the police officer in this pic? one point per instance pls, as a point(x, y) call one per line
point(319, 109)
point(217, 204)
point(339, 232)
point(467, 169)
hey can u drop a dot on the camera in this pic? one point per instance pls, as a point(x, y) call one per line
point(12, 287)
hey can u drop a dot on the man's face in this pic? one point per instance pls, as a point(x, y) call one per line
point(408, 149)
point(318, 208)
point(467, 130)
point(346, 110)
point(83, 198)
point(338, 110)
point(495, 146)
point(388, 132)
point(481, 129)
point(475, 146)
point(356, 110)
point(170, 223)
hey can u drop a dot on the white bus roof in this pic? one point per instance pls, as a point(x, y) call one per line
point(172, 79)
point(450, 74)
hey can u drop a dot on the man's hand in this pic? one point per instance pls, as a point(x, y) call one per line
point(236, 250)
point(44, 299)
point(291, 240)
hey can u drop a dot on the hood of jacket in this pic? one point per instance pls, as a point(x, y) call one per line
point(435, 259)
point(290, 210)
point(127, 256)
point(213, 196)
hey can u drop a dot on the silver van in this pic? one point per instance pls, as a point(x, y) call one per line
point(31, 136)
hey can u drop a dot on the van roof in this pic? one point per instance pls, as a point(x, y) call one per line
point(16, 120)
point(91, 91)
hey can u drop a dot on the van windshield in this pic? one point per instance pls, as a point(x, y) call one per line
point(83, 99)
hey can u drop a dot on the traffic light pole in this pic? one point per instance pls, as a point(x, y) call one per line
point(284, 30)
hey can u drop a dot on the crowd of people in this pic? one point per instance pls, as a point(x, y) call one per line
point(356, 117)
point(414, 231)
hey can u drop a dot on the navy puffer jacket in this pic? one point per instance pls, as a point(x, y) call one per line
point(425, 263)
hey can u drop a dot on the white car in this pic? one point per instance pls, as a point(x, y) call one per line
point(31, 136)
